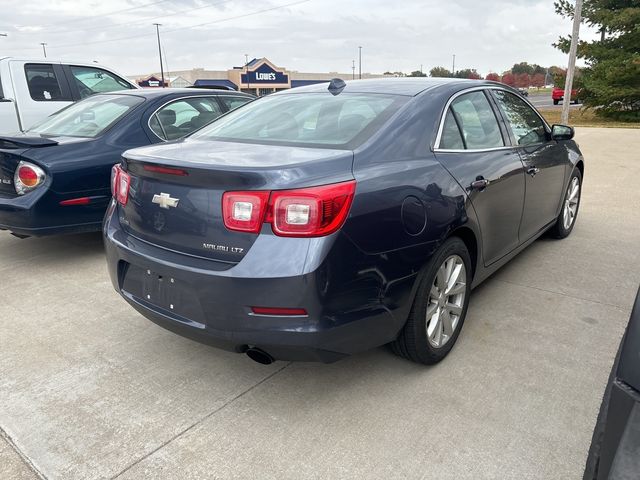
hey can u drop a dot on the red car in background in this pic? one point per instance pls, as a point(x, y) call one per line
point(558, 94)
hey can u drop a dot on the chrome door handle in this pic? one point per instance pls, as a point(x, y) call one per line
point(533, 171)
point(480, 184)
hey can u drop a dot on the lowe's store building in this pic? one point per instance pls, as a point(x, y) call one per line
point(258, 77)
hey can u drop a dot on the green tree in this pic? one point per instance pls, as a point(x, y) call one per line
point(439, 72)
point(522, 67)
point(417, 73)
point(468, 73)
point(611, 82)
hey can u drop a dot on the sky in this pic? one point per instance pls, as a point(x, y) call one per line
point(301, 35)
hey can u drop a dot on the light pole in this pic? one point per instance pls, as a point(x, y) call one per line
point(360, 63)
point(44, 48)
point(158, 25)
point(568, 84)
point(246, 64)
point(453, 66)
point(353, 69)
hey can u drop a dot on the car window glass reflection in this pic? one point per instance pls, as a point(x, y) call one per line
point(527, 127)
point(476, 119)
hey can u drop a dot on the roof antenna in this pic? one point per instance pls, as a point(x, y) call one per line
point(336, 86)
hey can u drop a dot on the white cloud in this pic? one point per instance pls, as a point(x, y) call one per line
point(315, 36)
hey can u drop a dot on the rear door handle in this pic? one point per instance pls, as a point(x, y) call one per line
point(479, 184)
point(533, 171)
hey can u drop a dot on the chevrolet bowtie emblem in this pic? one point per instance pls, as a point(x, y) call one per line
point(165, 200)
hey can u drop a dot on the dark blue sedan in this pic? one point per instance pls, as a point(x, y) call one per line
point(55, 177)
point(323, 221)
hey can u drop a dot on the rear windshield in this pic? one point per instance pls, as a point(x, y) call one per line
point(306, 119)
point(87, 118)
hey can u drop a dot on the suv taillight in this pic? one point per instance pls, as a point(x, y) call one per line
point(120, 182)
point(304, 212)
point(27, 177)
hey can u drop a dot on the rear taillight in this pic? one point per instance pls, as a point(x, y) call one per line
point(244, 211)
point(27, 177)
point(305, 212)
point(120, 182)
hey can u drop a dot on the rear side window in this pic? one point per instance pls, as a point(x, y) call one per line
point(182, 117)
point(90, 80)
point(451, 137)
point(527, 127)
point(477, 122)
point(234, 102)
point(43, 83)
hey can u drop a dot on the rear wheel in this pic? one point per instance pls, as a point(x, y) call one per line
point(440, 306)
point(570, 206)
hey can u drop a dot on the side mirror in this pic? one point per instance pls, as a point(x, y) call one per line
point(562, 132)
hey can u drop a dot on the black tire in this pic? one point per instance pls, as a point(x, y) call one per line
point(412, 342)
point(559, 229)
point(556, 102)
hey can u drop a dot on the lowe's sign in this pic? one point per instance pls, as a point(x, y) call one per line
point(264, 74)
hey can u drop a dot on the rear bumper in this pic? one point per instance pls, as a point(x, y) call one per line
point(38, 214)
point(211, 302)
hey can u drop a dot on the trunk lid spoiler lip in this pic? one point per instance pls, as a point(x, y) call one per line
point(26, 141)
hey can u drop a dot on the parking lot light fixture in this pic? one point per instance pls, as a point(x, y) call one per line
point(44, 48)
point(157, 25)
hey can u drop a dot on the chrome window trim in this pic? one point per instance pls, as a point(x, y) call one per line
point(437, 149)
point(172, 101)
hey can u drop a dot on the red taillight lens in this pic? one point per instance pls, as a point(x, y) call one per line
point(311, 212)
point(166, 170)
point(120, 182)
point(27, 177)
point(305, 212)
point(244, 211)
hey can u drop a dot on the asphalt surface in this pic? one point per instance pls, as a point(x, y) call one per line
point(544, 100)
point(90, 389)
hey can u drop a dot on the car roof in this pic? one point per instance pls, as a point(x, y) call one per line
point(409, 86)
point(159, 92)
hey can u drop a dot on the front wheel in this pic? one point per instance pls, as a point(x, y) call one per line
point(570, 206)
point(440, 306)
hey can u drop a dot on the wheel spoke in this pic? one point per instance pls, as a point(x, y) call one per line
point(431, 310)
point(574, 192)
point(434, 293)
point(441, 277)
point(454, 277)
point(453, 308)
point(459, 287)
point(447, 325)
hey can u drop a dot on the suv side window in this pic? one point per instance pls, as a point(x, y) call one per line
point(234, 102)
point(477, 122)
point(527, 127)
point(90, 80)
point(182, 117)
point(43, 83)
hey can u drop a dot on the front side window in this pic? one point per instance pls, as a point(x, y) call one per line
point(43, 83)
point(526, 125)
point(318, 119)
point(477, 122)
point(91, 80)
point(87, 118)
point(182, 117)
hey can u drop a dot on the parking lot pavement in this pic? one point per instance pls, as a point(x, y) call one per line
point(90, 389)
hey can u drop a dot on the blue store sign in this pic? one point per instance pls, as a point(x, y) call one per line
point(264, 74)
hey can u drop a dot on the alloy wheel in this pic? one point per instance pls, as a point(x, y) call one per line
point(570, 209)
point(446, 301)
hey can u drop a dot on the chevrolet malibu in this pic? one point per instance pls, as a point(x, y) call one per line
point(323, 221)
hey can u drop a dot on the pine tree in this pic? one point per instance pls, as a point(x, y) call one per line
point(611, 81)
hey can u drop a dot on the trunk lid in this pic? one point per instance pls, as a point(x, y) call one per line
point(189, 219)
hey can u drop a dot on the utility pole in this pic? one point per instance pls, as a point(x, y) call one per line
point(360, 62)
point(421, 69)
point(158, 25)
point(453, 66)
point(44, 48)
point(246, 64)
point(353, 69)
point(568, 85)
